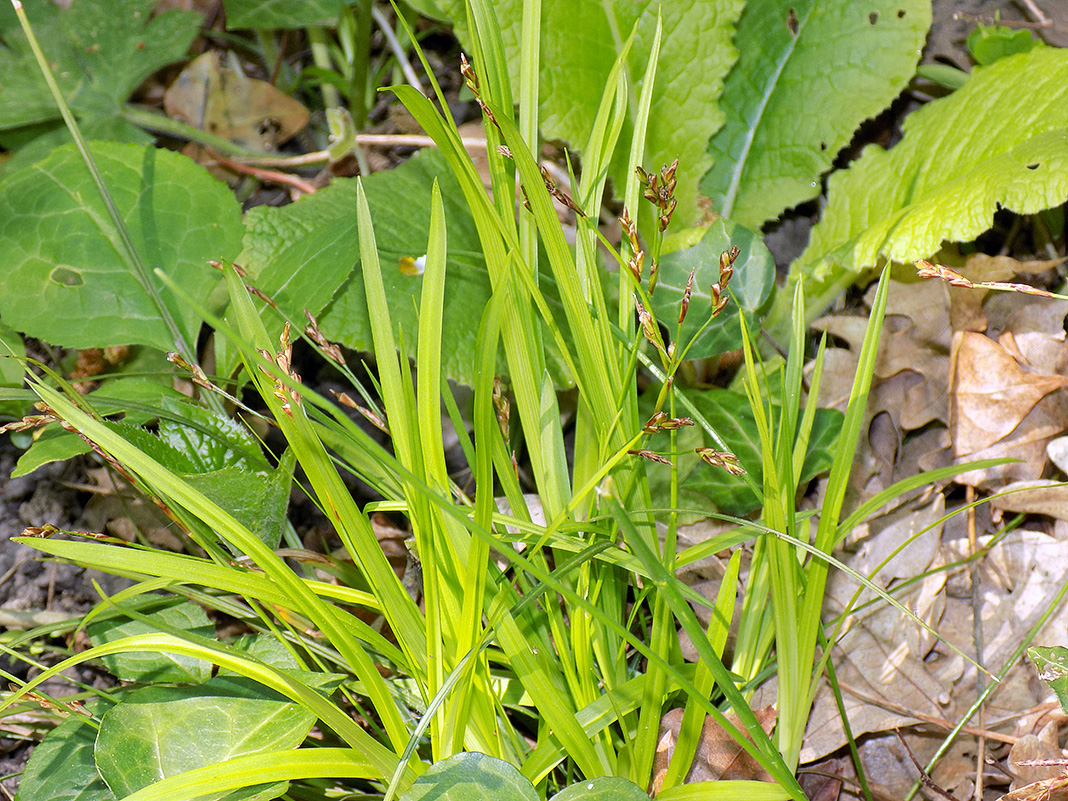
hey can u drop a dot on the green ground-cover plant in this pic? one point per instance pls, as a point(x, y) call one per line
point(557, 661)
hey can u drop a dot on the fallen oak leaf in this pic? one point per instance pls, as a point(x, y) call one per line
point(990, 393)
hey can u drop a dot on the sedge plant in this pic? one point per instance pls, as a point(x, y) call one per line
point(550, 647)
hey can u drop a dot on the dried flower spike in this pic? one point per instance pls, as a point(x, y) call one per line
point(661, 422)
point(649, 327)
point(502, 407)
point(685, 305)
point(726, 271)
point(469, 75)
point(925, 269)
point(660, 190)
point(652, 457)
point(560, 195)
point(330, 349)
point(284, 360)
point(636, 263)
point(728, 461)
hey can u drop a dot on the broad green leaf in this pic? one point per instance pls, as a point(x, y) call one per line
point(163, 731)
point(258, 498)
point(603, 788)
point(12, 371)
point(211, 441)
point(52, 444)
point(220, 458)
point(986, 146)
point(100, 52)
point(270, 651)
point(126, 394)
point(147, 667)
point(754, 277)
point(303, 254)
point(62, 767)
point(1052, 667)
point(808, 73)
point(580, 41)
point(287, 14)
point(428, 8)
point(31, 143)
point(63, 275)
point(471, 777)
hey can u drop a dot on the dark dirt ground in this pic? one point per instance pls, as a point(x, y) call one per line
point(33, 592)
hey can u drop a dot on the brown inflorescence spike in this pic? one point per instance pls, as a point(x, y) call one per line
point(728, 461)
point(685, 305)
point(649, 326)
point(652, 457)
point(330, 349)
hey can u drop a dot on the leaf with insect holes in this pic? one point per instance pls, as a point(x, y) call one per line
point(984, 147)
point(100, 52)
point(807, 75)
point(64, 274)
point(306, 255)
point(580, 41)
point(1052, 666)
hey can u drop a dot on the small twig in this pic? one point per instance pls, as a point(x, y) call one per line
point(1037, 13)
point(945, 724)
point(369, 140)
point(271, 176)
point(928, 782)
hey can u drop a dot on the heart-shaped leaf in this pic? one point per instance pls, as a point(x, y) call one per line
point(163, 731)
point(64, 275)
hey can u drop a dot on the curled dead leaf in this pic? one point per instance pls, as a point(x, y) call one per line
point(225, 102)
point(990, 393)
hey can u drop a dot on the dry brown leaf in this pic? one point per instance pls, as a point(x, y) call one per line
point(820, 781)
point(969, 310)
point(1036, 332)
point(718, 755)
point(226, 103)
point(890, 669)
point(913, 365)
point(1027, 444)
point(1046, 790)
point(1036, 497)
point(925, 304)
point(121, 512)
point(924, 451)
point(990, 394)
point(876, 541)
point(1030, 747)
